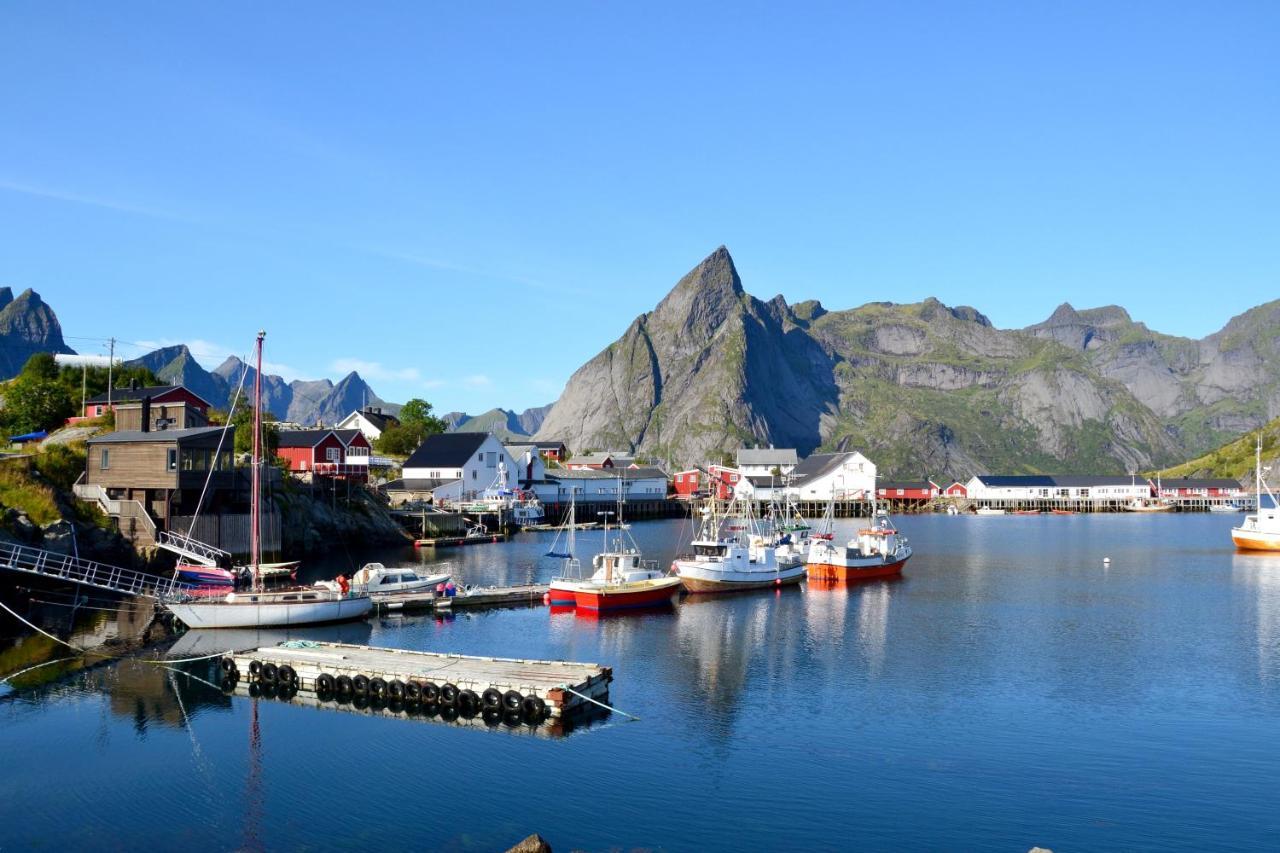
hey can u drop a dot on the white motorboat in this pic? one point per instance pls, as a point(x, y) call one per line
point(379, 581)
point(989, 510)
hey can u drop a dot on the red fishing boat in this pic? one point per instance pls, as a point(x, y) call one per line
point(878, 551)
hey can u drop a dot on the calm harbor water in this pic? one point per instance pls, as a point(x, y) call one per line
point(1010, 690)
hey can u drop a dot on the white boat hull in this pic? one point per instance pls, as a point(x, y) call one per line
point(249, 614)
point(711, 577)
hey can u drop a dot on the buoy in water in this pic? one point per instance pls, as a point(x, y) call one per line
point(546, 598)
point(1106, 561)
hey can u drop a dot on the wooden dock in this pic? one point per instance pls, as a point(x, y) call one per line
point(456, 541)
point(498, 596)
point(467, 684)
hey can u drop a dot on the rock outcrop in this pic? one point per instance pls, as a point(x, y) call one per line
point(27, 326)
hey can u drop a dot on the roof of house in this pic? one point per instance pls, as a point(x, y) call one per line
point(818, 465)
point(541, 445)
point(766, 456)
point(416, 485)
point(137, 395)
point(1199, 483)
point(601, 458)
point(165, 435)
point(1061, 481)
point(381, 420)
point(764, 481)
point(302, 437)
point(1019, 481)
point(346, 436)
point(518, 450)
point(446, 450)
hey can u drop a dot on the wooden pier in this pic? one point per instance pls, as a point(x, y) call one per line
point(523, 595)
point(470, 685)
point(456, 541)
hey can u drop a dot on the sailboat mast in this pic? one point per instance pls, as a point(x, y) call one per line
point(255, 508)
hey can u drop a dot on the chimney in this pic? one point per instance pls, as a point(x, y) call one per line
point(133, 384)
point(146, 414)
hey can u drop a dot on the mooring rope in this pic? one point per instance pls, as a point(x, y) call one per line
point(37, 666)
point(43, 631)
point(601, 704)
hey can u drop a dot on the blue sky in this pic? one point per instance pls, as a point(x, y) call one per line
point(467, 203)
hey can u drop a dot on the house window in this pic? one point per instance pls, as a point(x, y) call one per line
point(105, 462)
point(171, 459)
point(97, 410)
point(332, 454)
point(475, 475)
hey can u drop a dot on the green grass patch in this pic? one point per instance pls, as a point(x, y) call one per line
point(19, 490)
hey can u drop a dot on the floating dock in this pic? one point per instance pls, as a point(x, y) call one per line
point(496, 596)
point(472, 686)
point(456, 541)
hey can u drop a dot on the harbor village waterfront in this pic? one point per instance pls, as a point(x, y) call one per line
point(689, 427)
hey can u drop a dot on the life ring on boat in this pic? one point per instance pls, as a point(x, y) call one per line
point(287, 675)
point(255, 667)
point(448, 694)
point(227, 664)
point(468, 703)
point(512, 700)
point(413, 692)
point(534, 708)
point(325, 683)
point(343, 685)
point(269, 673)
point(430, 692)
point(360, 684)
point(377, 687)
point(395, 690)
point(492, 699)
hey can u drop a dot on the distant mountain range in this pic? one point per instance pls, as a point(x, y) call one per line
point(503, 423)
point(301, 401)
point(923, 389)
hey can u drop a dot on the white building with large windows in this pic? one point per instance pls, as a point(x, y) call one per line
point(846, 476)
point(465, 464)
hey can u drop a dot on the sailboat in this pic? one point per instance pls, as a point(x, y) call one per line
point(258, 607)
point(1260, 531)
point(622, 578)
point(561, 590)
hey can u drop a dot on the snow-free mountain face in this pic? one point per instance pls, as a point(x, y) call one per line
point(923, 389)
point(27, 326)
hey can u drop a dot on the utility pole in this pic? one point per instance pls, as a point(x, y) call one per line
point(84, 384)
point(111, 363)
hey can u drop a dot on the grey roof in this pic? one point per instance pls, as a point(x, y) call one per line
point(606, 474)
point(817, 466)
point(446, 450)
point(766, 456)
point(137, 395)
point(379, 419)
point(302, 437)
point(165, 435)
point(346, 436)
point(764, 481)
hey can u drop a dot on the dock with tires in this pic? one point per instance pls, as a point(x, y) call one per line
point(465, 685)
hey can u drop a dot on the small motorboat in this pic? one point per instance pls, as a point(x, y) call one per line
point(205, 575)
point(988, 510)
point(379, 581)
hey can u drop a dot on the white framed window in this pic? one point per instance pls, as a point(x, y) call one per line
point(104, 461)
point(171, 459)
point(333, 454)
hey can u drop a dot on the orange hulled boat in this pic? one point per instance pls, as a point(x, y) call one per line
point(878, 551)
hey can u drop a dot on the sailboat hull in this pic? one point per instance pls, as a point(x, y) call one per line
point(1255, 540)
point(269, 614)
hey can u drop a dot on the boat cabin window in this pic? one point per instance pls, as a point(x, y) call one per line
point(309, 596)
point(709, 550)
point(290, 598)
point(391, 579)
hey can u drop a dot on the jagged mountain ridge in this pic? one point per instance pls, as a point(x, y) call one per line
point(925, 389)
point(27, 326)
point(504, 423)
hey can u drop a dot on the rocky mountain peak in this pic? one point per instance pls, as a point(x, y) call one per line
point(27, 326)
point(6, 296)
point(1107, 316)
point(705, 296)
point(1063, 315)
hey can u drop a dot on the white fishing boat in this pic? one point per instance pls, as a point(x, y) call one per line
point(1260, 531)
point(989, 510)
point(379, 581)
point(731, 554)
point(1223, 508)
point(258, 607)
point(1147, 505)
point(517, 506)
point(878, 551)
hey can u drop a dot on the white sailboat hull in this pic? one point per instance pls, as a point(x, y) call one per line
point(268, 614)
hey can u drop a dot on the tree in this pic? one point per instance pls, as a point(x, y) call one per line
point(32, 403)
point(416, 423)
point(242, 420)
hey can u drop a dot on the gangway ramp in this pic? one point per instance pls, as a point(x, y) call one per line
point(50, 564)
point(192, 550)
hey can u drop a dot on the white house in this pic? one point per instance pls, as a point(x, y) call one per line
point(593, 485)
point(530, 465)
point(763, 461)
point(1059, 487)
point(370, 420)
point(847, 475)
point(466, 463)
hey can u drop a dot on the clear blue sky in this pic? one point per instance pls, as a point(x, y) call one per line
point(467, 201)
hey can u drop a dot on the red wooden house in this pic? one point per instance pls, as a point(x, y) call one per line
point(691, 483)
point(723, 480)
point(914, 490)
point(956, 490)
point(160, 395)
point(1197, 488)
point(321, 451)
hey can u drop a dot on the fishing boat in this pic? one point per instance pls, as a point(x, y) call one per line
point(791, 533)
point(878, 551)
point(257, 607)
point(1260, 531)
point(622, 578)
point(1223, 508)
point(988, 510)
point(732, 556)
point(516, 506)
point(1063, 511)
point(379, 581)
point(1147, 505)
point(1026, 512)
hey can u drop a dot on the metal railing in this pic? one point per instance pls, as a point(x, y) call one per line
point(183, 545)
point(118, 507)
point(20, 558)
